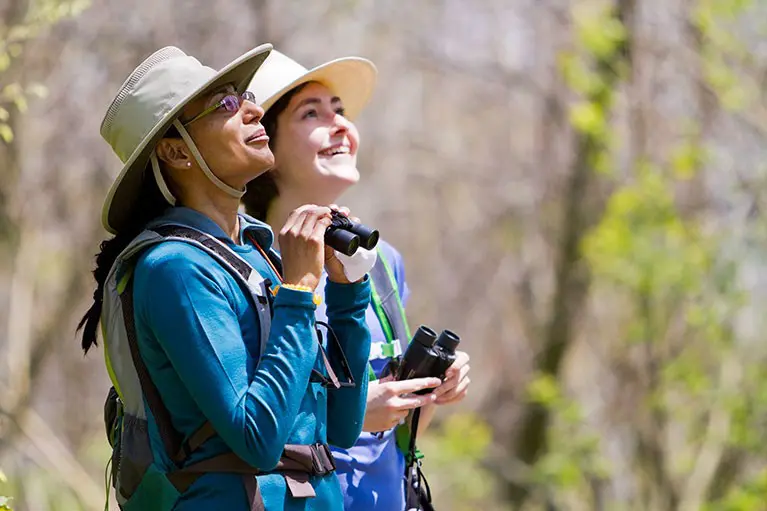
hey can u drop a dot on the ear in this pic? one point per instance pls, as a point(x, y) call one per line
point(174, 153)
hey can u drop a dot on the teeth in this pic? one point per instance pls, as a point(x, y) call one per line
point(338, 150)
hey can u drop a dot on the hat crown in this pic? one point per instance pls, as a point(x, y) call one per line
point(277, 71)
point(152, 90)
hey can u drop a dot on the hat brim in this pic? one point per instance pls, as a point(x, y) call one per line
point(350, 78)
point(118, 204)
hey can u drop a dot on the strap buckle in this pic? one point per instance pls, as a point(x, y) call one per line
point(322, 459)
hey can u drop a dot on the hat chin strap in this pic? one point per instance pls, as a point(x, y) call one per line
point(232, 192)
point(160, 180)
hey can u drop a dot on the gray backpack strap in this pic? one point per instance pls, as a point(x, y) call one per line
point(385, 285)
point(256, 284)
point(177, 448)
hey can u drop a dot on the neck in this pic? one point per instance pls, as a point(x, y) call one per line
point(286, 202)
point(220, 208)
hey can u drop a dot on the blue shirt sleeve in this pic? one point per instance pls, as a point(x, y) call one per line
point(346, 306)
point(188, 302)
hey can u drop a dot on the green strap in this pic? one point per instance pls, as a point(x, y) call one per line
point(402, 437)
point(391, 289)
point(400, 307)
point(375, 298)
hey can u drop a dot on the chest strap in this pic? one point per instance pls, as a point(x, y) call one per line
point(297, 464)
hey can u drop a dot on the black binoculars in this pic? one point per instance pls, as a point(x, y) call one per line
point(347, 236)
point(427, 355)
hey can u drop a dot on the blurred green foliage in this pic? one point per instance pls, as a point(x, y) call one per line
point(39, 15)
point(28, 20)
point(667, 265)
point(455, 450)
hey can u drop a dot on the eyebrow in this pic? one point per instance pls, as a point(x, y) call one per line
point(224, 89)
point(315, 101)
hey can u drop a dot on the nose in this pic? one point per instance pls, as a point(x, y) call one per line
point(340, 125)
point(251, 112)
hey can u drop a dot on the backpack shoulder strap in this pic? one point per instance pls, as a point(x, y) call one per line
point(177, 448)
point(171, 438)
point(253, 281)
point(387, 303)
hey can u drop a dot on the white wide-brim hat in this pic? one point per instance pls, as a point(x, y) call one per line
point(145, 107)
point(350, 78)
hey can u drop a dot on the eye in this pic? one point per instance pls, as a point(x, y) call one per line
point(309, 113)
point(341, 111)
point(230, 103)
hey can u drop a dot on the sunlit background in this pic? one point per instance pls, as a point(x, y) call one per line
point(576, 188)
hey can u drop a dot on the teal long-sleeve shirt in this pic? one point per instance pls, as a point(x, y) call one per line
point(199, 337)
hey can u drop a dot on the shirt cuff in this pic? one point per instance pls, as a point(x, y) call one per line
point(352, 295)
point(294, 298)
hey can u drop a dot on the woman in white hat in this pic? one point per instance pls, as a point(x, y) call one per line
point(309, 118)
point(209, 338)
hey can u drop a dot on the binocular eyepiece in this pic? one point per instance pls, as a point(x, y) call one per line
point(428, 355)
point(347, 236)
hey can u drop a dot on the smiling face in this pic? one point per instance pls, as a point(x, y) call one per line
point(230, 138)
point(315, 146)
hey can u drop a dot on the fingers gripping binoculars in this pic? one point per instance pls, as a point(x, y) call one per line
point(347, 236)
point(427, 355)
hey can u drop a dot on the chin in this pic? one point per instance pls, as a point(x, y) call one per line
point(263, 163)
point(348, 175)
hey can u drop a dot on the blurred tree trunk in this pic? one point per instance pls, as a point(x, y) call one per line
point(582, 208)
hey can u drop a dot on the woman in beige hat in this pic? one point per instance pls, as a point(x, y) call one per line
point(309, 118)
point(210, 339)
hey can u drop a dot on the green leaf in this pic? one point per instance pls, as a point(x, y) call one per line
point(5, 60)
point(21, 103)
point(588, 118)
point(6, 133)
point(14, 49)
point(544, 390)
point(577, 75)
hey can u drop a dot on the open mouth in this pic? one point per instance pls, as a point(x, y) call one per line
point(258, 136)
point(333, 151)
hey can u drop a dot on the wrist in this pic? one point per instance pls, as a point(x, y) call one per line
point(309, 282)
point(338, 279)
point(316, 298)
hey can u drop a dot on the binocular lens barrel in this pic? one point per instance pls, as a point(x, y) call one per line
point(345, 242)
point(346, 236)
point(368, 236)
point(448, 341)
point(425, 336)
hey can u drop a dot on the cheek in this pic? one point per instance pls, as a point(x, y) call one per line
point(298, 147)
point(215, 144)
point(354, 138)
point(312, 143)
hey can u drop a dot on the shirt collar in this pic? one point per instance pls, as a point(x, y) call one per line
point(188, 217)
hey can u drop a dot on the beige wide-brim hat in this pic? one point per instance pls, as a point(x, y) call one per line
point(145, 107)
point(351, 78)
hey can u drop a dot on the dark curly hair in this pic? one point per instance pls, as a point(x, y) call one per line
point(148, 205)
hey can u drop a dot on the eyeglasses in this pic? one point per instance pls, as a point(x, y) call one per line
point(231, 103)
